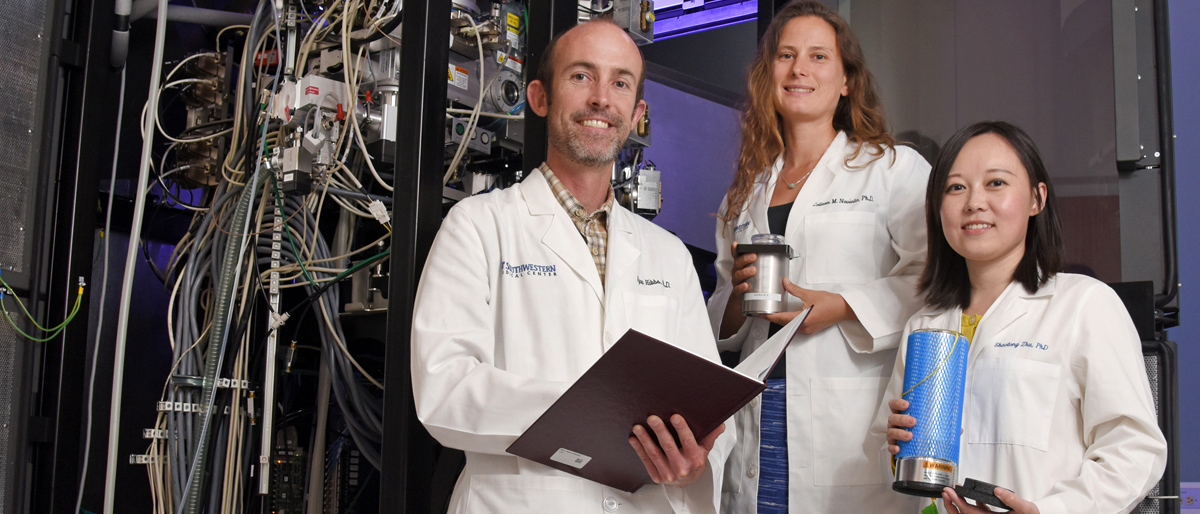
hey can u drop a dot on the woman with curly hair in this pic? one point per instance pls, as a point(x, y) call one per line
point(819, 167)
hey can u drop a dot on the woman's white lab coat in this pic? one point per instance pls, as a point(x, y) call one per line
point(857, 231)
point(510, 311)
point(1057, 406)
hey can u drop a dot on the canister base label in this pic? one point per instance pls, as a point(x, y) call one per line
point(754, 297)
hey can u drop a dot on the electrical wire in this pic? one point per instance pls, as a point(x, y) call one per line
point(91, 387)
point(474, 119)
point(487, 114)
point(51, 332)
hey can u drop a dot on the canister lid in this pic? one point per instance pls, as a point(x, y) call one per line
point(783, 248)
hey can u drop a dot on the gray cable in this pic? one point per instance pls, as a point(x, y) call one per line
point(91, 388)
point(135, 235)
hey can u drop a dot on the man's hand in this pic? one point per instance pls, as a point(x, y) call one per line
point(666, 463)
point(956, 505)
point(828, 309)
point(897, 423)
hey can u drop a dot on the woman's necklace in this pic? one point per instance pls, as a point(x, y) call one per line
point(792, 185)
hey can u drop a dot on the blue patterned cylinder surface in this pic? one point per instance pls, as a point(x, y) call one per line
point(935, 372)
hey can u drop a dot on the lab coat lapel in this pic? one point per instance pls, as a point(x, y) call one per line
point(760, 199)
point(1012, 304)
point(818, 183)
point(561, 236)
point(623, 249)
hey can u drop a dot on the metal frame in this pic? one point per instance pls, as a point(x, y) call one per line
point(1168, 418)
point(407, 448)
point(68, 214)
point(1166, 136)
point(547, 18)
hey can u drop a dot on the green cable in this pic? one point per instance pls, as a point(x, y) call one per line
point(53, 332)
point(27, 314)
point(292, 242)
point(321, 290)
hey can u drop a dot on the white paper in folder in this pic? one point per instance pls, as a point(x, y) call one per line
point(759, 363)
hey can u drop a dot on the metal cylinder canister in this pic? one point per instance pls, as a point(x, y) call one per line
point(766, 294)
point(935, 372)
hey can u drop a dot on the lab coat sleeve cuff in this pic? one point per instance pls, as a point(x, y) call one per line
point(870, 333)
point(734, 342)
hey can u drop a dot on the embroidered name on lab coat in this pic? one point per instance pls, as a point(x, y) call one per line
point(653, 282)
point(863, 198)
point(522, 270)
point(1023, 344)
point(741, 227)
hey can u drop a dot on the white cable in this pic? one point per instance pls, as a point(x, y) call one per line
point(91, 389)
point(351, 92)
point(135, 235)
point(195, 56)
point(342, 346)
point(158, 123)
point(462, 145)
point(222, 32)
point(488, 114)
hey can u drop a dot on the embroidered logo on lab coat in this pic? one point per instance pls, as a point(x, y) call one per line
point(531, 270)
point(741, 227)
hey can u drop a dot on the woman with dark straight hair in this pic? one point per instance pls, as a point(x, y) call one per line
point(944, 282)
point(1057, 409)
point(819, 168)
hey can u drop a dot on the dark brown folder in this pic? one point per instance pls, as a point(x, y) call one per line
point(586, 431)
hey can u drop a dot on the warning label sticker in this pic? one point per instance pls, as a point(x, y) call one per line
point(458, 77)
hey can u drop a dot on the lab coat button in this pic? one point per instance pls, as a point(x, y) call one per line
point(610, 504)
point(752, 471)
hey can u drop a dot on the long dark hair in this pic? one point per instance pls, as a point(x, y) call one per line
point(945, 282)
point(859, 114)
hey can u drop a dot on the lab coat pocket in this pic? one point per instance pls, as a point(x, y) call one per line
point(844, 452)
point(653, 315)
point(839, 247)
point(522, 493)
point(1011, 401)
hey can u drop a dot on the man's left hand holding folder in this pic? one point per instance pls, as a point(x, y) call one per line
point(668, 463)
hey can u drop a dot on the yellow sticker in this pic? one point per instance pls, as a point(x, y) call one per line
point(938, 466)
point(514, 21)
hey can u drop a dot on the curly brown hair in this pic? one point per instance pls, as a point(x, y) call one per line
point(859, 114)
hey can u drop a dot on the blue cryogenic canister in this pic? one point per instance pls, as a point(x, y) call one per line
point(935, 372)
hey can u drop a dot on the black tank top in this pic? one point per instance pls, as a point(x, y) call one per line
point(777, 218)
